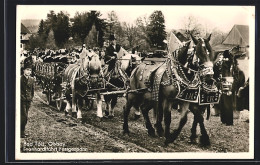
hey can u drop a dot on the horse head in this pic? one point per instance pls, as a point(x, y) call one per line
point(92, 63)
point(204, 52)
point(129, 62)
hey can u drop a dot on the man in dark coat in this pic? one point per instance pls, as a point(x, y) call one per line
point(27, 93)
point(111, 57)
point(111, 53)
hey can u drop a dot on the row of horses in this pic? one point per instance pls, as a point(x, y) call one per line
point(209, 68)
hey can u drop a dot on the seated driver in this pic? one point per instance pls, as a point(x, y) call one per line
point(111, 57)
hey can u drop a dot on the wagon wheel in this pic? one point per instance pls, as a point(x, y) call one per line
point(48, 95)
point(59, 100)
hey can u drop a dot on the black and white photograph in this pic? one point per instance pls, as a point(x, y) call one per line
point(111, 82)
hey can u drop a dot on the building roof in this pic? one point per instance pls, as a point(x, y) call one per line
point(24, 30)
point(221, 47)
point(239, 35)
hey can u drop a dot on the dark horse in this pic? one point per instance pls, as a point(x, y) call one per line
point(116, 79)
point(169, 90)
point(231, 78)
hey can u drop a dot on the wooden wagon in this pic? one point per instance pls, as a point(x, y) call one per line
point(50, 76)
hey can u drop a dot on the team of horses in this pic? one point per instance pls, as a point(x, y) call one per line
point(219, 71)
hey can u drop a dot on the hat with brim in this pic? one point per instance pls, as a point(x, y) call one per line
point(112, 37)
point(27, 65)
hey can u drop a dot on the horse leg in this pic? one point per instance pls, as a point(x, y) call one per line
point(74, 110)
point(145, 109)
point(113, 104)
point(204, 139)
point(99, 105)
point(194, 130)
point(127, 107)
point(80, 105)
point(198, 117)
point(167, 117)
point(137, 112)
point(107, 99)
point(159, 117)
point(184, 112)
point(67, 108)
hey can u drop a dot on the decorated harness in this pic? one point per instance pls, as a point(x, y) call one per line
point(191, 84)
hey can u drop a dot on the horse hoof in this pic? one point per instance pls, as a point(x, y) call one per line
point(171, 137)
point(66, 113)
point(74, 114)
point(193, 139)
point(151, 132)
point(79, 120)
point(160, 133)
point(204, 141)
point(106, 113)
point(126, 132)
point(166, 143)
point(110, 117)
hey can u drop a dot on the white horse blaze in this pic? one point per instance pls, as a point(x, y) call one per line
point(137, 112)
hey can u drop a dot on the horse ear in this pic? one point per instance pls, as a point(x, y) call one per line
point(208, 39)
point(194, 39)
point(188, 43)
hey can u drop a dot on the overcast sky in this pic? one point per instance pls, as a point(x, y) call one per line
point(221, 17)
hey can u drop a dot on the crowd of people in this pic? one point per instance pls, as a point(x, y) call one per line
point(109, 55)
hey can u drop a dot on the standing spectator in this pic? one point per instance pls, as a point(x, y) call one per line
point(27, 93)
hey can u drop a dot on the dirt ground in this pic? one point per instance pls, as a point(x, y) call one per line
point(48, 127)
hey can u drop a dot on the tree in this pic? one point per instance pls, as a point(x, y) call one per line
point(82, 25)
point(92, 38)
point(115, 27)
point(78, 29)
point(156, 29)
point(112, 22)
point(100, 26)
point(217, 37)
point(41, 28)
point(35, 41)
point(131, 34)
point(143, 39)
point(50, 43)
point(192, 26)
point(61, 29)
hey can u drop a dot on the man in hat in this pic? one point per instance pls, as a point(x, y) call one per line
point(27, 93)
point(111, 52)
point(111, 57)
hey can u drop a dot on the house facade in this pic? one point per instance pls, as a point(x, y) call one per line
point(238, 36)
point(24, 37)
